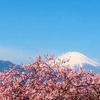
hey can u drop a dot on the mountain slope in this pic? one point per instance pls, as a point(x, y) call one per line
point(90, 67)
point(5, 65)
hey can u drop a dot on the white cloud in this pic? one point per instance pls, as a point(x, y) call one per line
point(18, 56)
point(15, 56)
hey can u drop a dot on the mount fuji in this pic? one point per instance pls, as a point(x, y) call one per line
point(77, 59)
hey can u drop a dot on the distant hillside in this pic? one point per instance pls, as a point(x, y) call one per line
point(5, 65)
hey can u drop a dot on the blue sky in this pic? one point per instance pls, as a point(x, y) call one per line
point(36, 27)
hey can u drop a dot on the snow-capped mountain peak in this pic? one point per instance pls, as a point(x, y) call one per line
point(72, 59)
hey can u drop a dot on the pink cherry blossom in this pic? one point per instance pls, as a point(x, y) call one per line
point(49, 82)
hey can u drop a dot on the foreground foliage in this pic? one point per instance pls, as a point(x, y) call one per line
point(46, 81)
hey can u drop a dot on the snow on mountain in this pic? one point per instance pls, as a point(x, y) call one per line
point(73, 59)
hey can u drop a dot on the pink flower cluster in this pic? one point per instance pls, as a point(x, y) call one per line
point(44, 82)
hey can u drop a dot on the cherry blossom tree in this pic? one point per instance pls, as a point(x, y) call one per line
point(46, 81)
